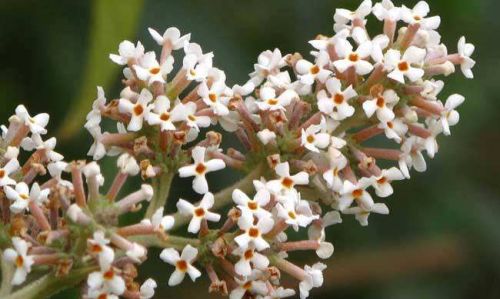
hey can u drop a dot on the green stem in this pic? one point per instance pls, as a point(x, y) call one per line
point(49, 285)
point(224, 197)
point(172, 241)
point(7, 273)
point(161, 187)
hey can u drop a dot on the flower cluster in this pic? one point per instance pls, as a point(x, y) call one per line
point(306, 128)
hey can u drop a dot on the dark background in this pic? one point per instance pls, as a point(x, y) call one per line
point(442, 239)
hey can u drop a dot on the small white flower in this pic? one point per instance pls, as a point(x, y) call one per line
point(386, 10)
point(382, 183)
point(127, 164)
point(314, 279)
point(138, 111)
point(36, 123)
point(394, 129)
point(36, 142)
point(287, 182)
point(465, 50)
point(450, 116)
point(382, 105)
point(268, 63)
point(248, 286)
point(199, 212)
point(147, 290)
point(127, 53)
point(252, 233)
point(362, 214)
point(313, 138)
point(418, 15)
point(106, 280)
point(351, 58)
point(98, 246)
point(335, 103)
point(411, 157)
point(214, 97)
point(159, 222)
point(20, 259)
point(9, 168)
point(408, 65)
point(97, 149)
point(171, 36)
point(356, 192)
point(332, 175)
point(150, 71)
point(182, 263)
point(93, 118)
point(294, 211)
point(266, 136)
point(199, 168)
point(343, 16)
point(269, 101)
point(249, 257)
point(280, 293)
point(160, 114)
point(187, 113)
point(22, 196)
point(253, 207)
point(308, 72)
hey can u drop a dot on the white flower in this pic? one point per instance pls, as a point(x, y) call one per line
point(36, 142)
point(271, 102)
point(379, 43)
point(411, 157)
point(99, 247)
point(382, 105)
point(268, 63)
point(344, 16)
point(266, 136)
point(94, 116)
point(147, 289)
point(308, 72)
point(127, 52)
point(9, 168)
point(286, 182)
point(21, 196)
point(199, 168)
point(465, 50)
point(187, 113)
point(335, 102)
point(253, 232)
point(248, 286)
point(386, 10)
point(199, 212)
point(394, 129)
point(356, 192)
point(280, 293)
point(138, 111)
point(106, 280)
point(20, 259)
point(362, 214)
point(382, 183)
point(314, 279)
point(171, 36)
point(409, 65)
point(356, 59)
point(182, 263)
point(294, 211)
point(313, 138)
point(214, 97)
point(450, 116)
point(97, 149)
point(127, 164)
point(249, 256)
point(332, 175)
point(418, 15)
point(160, 114)
point(255, 206)
point(159, 222)
point(151, 71)
point(36, 124)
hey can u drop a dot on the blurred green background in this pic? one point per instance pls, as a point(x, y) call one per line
point(442, 239)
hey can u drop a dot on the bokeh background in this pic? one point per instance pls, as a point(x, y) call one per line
point(442, 239)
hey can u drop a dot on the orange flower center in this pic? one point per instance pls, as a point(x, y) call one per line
point(338, 98)
point(165, 116)
point(154, 70)
point(199, 212)
point(287, 182)
point(212, 97)
point(253, 232)
point(403, 66)
point(248, 254)
point(181, 265)
point(252, 205)
point(19, 261)
point(353, 57)
point(310, 138)
point(138, 109)
point(357, 193)
point(272, 101)
point(314, 70)
point(380, 102)
point(200, 168)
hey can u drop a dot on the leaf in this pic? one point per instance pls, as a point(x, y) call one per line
point(111, 22)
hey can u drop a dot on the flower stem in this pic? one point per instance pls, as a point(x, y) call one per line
point(171, 241)
point(161, 187)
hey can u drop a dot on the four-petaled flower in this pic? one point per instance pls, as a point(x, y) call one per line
point(198, 213)
point(182, 263)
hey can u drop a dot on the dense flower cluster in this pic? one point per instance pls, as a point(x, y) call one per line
point(306, 128)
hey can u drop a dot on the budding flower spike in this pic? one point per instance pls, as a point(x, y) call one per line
point(305, 160)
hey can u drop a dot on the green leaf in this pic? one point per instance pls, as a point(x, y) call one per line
point(111, 22)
